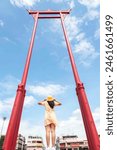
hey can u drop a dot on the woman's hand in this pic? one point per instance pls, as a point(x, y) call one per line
point(57, 103)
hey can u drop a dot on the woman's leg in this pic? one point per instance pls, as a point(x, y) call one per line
point(53, 134)
point(48, 135)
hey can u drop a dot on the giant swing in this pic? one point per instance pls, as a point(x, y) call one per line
point(13, 127)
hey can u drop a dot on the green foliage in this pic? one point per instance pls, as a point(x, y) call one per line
point(1, 141)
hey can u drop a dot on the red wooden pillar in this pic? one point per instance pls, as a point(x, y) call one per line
point(91, 132)
point(13, 127)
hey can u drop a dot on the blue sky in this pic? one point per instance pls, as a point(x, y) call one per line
point(50, 71)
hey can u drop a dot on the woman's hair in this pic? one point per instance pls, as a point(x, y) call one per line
point(51, 103)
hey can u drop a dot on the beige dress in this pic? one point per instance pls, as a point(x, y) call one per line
point(50, 116)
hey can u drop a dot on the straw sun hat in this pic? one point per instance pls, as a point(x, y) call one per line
point(50, 98)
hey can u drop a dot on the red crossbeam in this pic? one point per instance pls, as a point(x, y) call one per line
point(49, 17)
point(49, 12)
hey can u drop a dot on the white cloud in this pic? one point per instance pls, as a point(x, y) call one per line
point(7, 104)
point(34, 129)
point(87, 3)
point(71, 4)
point(8, 40)
point(1, 23)
point(93, 14)
point(92, 10)
point(71, 24)
point(55, 26)
point(85, 50)
point(80, 36)
point(97, 34)
point(29, 101)
point(72, 27)
point(75, 123)
point(21, 3)
point(27, 128)
point(81, 44)
point(47, 89)
point(8, 86)
point(64, 127)
point(85, 63)
point(90, 3)
point(56, 1)
point(96, 114)
point(90, 15)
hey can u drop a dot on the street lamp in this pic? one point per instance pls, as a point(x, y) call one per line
point(4, 118)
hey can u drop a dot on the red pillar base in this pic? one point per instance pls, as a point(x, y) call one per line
point(90, 128)
point(12, 130)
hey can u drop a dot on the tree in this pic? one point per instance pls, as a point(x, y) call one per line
point(1, 141)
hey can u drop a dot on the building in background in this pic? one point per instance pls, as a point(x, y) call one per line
point(21, 143)
point(71, 142)
point(35, 143)
point(83, 145)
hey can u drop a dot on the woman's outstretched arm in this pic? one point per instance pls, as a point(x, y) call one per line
point(41, 102)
